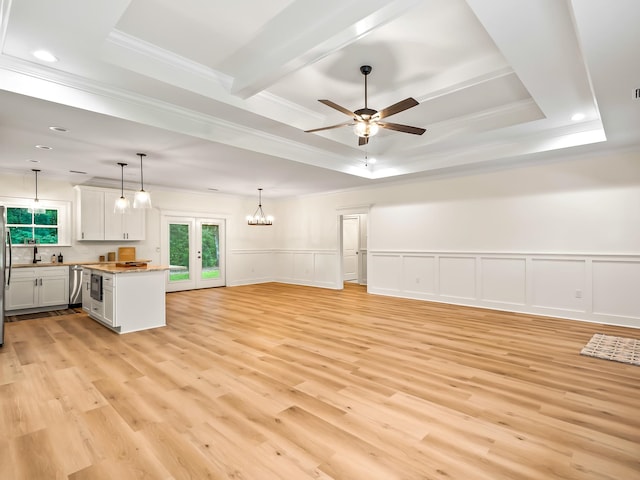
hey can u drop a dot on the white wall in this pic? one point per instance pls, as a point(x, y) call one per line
point(561, 239)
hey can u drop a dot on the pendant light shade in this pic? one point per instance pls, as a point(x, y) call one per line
point(36, 206)
point(141, 199)
point(122, 203)
point(259, 218)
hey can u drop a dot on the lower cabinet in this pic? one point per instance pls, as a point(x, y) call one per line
point(37, 288)
point(108, 300)
point(101, 310)
point(132, 300)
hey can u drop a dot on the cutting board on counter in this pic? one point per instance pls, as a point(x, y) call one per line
point(127, 254)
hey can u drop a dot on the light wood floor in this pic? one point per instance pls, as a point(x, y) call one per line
point(286, 382)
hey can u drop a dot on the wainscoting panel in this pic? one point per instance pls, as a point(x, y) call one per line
point(385, 272)
point(458, 277)
point(594, 288)
point(303, 267)
point(325, 269)
point(245, 267)
point(419, 274)
point(503, 280)
point(616, 288)
point(559, 284)
point(317, 268)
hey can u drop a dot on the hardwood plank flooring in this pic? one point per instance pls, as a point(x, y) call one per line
point(278, 381)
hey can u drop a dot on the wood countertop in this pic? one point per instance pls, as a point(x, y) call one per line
point(112, 268)
point(68, 264)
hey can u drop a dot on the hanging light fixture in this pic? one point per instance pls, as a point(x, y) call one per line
point(36, 206)
point(122, 203)
point(259, 218)
point(141, 198)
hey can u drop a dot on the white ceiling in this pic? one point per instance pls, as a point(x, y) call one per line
point(218, 93)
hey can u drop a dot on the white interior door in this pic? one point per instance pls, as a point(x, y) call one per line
point(350, 242)
point(195, 252)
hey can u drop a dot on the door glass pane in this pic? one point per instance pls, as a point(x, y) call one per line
point(210, 251)
point(178, 252)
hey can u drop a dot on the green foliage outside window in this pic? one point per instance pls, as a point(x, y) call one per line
point(24, 225)
point(179, 251)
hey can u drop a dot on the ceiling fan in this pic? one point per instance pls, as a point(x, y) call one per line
point(366, 121)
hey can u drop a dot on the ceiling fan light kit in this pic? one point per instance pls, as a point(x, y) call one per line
point(366, 121)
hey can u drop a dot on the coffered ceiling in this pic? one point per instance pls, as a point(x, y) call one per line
point(218, 94)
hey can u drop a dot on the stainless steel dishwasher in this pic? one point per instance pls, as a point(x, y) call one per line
point(75, 285)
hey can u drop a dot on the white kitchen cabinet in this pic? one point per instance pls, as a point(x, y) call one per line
point(90, 214)
point(86, 290)
point(108, 299)
point(132, 299)
point(122, 226)
point(38, 288)
point(96, 220)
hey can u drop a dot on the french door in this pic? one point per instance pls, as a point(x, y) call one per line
point(194, 250)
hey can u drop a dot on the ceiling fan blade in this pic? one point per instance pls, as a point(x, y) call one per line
point(329, 103)
point(363, 141)
point(402, 128)
point(397, 107)
point(345, 124)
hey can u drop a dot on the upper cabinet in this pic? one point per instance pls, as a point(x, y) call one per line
point(96, 220)
point(118, 226)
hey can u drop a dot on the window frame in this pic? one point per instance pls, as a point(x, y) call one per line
point(64, 218)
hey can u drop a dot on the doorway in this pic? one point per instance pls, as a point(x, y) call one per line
point(194, 249)
point(353, 248)
point(350, 247)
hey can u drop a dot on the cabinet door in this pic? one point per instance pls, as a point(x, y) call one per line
point(133, 225)
point(112, 221)
point(91, 208)
point(86, 291)
point(53, 291)
point(97, 310)
point(109, 310)
point(22, 293)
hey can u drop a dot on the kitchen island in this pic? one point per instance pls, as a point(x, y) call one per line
point(125, 298)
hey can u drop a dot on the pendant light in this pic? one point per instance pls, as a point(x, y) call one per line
point(122, 203)
point(36, 206)
point(259, 218)
point(141, 198)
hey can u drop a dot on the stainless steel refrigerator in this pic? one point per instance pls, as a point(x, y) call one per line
point(5, 267)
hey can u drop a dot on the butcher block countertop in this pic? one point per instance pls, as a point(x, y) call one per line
point(67, 264)
point(113, 268)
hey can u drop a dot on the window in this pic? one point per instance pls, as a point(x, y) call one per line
point(41, 227)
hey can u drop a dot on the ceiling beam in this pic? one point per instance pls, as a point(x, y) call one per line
point(302, 34)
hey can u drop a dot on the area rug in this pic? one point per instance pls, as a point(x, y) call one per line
point(618, 349)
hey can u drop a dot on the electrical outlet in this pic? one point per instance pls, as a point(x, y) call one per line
point(578, 293)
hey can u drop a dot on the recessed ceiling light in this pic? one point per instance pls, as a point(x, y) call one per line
point(44, 147)
point(58, 129)
point(33, 161)
point(77, 171)
point(577, 117)
point(45, 56)
point(212, 189)
point(372, 161)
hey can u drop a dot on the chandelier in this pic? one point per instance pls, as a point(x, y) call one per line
point(259, 218)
